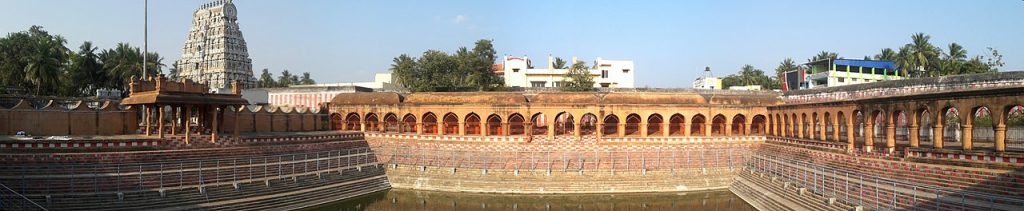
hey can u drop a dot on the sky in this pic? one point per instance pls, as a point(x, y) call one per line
point(670, 42)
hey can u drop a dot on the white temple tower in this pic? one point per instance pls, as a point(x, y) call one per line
point(215, 52)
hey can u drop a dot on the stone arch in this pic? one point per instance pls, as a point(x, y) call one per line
point(409, 123)
point(654, 123)
point(805, 130)
point(1013, 121)
point(516, 124)
point(815, 122)
point(337, 122)
point(352, 121)
point(372, 122)
point(611, 125)
point(902, 125)
point(588, 124)
point(780, 125)
point(793, 125)
point(739, 125)
point(429, 123)
point(718, 125)
point(676, 125)
point(841, 120)
point(540, 124)
point(951, 124)
point(926, 121)
point(472, 124)
point(450, 123)
point(632, 124)
point(391, 122)
point(698, 125)
point(494, 125)
point(759, 125)
point(877, 118)
point(858, 124)
point(982, 127)
point(564, 124)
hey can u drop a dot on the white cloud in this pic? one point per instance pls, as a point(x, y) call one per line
point(459, 19)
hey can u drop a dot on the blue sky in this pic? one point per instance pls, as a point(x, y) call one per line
point(669, 41)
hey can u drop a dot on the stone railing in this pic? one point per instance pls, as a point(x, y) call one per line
point(907, 87)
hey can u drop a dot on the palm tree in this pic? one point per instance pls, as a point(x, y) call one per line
point(121, 63)
point(559, 63)
point(44, 66)
point(923, 53)
point(951, 64)
point(905, 61)
point(887, 54)
point(823, 55)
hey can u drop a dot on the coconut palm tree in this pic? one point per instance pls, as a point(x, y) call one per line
point(823, 55)
point(951, 64)
point(121, 63)
point(923, 53)
point(887, 54)
point(44, 65)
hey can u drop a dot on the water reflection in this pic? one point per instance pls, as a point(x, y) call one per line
point(423, 200)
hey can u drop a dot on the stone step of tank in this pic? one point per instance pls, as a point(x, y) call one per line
point(807, 199)
point(309, 199)
point(214, 193)
point(755, 198)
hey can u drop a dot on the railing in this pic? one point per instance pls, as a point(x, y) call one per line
point(121, 178)
point(601, 160)
point(12, 200)
point(875, 192)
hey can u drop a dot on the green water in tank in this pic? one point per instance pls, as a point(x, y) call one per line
point(400, 200)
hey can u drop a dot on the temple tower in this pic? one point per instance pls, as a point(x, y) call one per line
point(215, 52)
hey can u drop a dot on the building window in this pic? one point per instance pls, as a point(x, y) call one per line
point(605, 85)
point(841, 79)
point(854, 79)
point(625, 70)
point(604, 73)
point(538, 83)
point(515, 70)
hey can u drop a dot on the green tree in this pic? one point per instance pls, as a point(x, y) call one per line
point(306, 79)
point(578, 78)
point(285, 79)
point(823, 55)
point(266, 79)
point(887, 54)
point(173, 72)
point(749, 75)
point(33, 61)
point(559, 63)
point(438, 71)
point(85, 72)
point(121, 64)
point(924, 55)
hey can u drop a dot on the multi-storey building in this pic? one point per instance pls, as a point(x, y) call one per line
point(215, 52)
point(838, 72)
point(517, 72)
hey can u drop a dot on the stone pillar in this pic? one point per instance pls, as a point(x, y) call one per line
point(362, 126)
point(485, 129)
point(462, 128)
point(835, 131)
point(915, 133)
point(237, 130)
point(851, 137)
point(968, 132)
point(505, 129)
point(937, 133)
point(822, 130)
point(665, 130)
point(576, 129)
point(869, 136)
point(174, 120)
point(728, 126)
point(600, 130)
point(187, 123)
point(551, 128)
point(1000, 135)
point(707, 129)
point(528, 127)
point(643, 129)
point(890, 133)
point(146, 111)
point(621, 129)
point(747, 129)
point(213, 133)
point(160, 121)
point(686, 129)
point(419, 128)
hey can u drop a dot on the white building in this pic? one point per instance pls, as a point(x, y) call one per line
point(839, 72)
point(381, 81)
point(707, 81)
point(606, 73)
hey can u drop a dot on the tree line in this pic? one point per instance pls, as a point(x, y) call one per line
point(286, 79)
point(434, 70)
point(38, 63)
point(919, 58)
